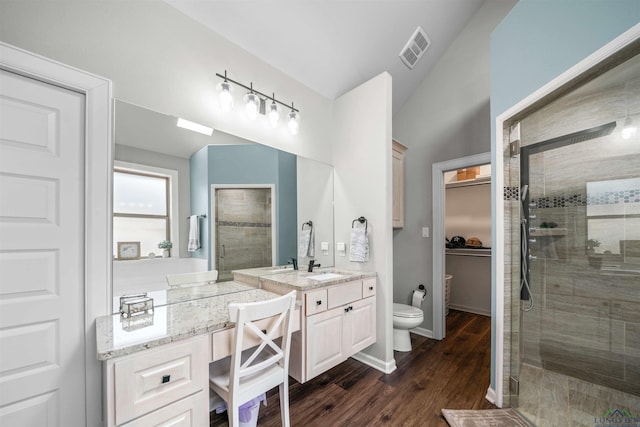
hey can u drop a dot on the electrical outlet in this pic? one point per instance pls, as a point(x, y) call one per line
point(425, 231)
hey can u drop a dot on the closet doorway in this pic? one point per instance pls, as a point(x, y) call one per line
point(242, 229)
point(439, 171)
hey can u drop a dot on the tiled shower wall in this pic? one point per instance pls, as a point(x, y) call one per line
point(243, 219)
point(584, 328)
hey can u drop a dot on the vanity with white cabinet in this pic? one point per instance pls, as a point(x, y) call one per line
point(155, 365)
point(338, 315)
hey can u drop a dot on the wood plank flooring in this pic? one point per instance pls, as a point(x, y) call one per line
point(452, 373)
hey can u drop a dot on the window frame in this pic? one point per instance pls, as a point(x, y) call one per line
point(172, 198)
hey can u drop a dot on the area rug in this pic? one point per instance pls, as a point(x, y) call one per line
point(485, 418)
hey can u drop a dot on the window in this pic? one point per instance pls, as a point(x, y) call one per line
point(141, 209)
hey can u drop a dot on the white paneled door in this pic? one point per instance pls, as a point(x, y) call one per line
point(42, 336)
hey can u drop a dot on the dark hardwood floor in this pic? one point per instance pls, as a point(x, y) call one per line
point(452, 373)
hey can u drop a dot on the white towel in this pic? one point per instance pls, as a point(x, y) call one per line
point(306, 243)
point(194, 233)
point(359, 251)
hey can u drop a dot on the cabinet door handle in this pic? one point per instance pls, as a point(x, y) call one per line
point(166, 379)
point(319, 302)
point(370, 288)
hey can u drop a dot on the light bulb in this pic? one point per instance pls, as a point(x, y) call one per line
point(628, 129)
point(225, 96)
point(294, 122)
point(274, 114)
point(252, 105)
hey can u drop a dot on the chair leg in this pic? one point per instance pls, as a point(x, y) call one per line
point(284, 402)
point(234, 415)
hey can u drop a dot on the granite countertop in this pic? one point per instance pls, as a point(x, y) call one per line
point(116, 336)
point(300, 279)
point(175, 294)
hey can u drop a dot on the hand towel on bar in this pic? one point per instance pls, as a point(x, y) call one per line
point(194, 233)
point(359, 251)
point(306, 243)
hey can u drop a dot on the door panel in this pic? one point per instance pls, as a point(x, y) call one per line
point(42, 345)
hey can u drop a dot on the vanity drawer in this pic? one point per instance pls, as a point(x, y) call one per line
point(222, 341)
point(154, 378)
point(368, 287)
point(192, 411)
point(316, 301)
point(344, 294)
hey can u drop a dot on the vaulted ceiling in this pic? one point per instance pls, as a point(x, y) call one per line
point(333, 46)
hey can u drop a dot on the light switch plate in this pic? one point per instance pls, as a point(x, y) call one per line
point(324, 246)
point(425, 231)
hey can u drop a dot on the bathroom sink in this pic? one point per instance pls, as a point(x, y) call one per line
point(325, 276)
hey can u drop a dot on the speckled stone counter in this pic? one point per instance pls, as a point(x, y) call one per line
point(297, 279)
point(172, 295)
point(116, 336)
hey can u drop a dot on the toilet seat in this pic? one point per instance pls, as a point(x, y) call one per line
point(406, 311)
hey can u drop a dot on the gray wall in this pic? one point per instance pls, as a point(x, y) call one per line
point(150, 158)
point(447, 118)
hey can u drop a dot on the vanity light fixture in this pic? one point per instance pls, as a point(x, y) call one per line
point(225, 94)
point(274, 112)
point(294, 121)
point(186, 124)
point(251, 104)
point(255, 101)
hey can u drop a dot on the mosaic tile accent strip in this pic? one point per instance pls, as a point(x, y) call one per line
point(615, 197)
point(243, 224)
point(606, 198)
point(511, 193)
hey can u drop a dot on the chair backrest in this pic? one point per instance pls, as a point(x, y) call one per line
point(268, 352)
point(192, 279)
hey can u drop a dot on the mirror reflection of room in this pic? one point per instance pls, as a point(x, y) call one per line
point(242, 195)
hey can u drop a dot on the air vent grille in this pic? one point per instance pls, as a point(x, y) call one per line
point(415, 47)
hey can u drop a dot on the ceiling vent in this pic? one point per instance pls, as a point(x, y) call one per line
point(415, 47)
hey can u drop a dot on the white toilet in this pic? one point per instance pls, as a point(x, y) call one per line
point(405, 317)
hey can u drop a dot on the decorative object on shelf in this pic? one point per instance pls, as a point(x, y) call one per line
point(166, 245)
point(255, 104)
point(128, 250)
point(135, 304)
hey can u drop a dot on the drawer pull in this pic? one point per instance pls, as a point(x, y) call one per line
point(319, 302)
point(348, 309)
point(166, 379)
point(370, 288)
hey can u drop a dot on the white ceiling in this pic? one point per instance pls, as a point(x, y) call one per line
point(332, 46)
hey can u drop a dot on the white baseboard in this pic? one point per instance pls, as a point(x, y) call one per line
point(374, 362)
point(422, 332)
point(470, 309)
point(491, 396)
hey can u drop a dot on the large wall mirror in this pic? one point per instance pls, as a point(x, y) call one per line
point(251, 202)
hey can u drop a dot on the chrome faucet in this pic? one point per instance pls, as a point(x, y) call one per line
point(294, 262)
point(311, 265)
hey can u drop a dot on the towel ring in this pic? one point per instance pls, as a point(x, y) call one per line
point(361, 220)
point(309, 223)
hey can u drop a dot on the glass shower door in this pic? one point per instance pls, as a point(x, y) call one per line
point(243, 235)
point(575, 221)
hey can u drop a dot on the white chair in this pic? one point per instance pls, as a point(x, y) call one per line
point(246, 375)
point(192, 279)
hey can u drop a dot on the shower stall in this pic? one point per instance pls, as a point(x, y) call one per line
point(572, 237)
